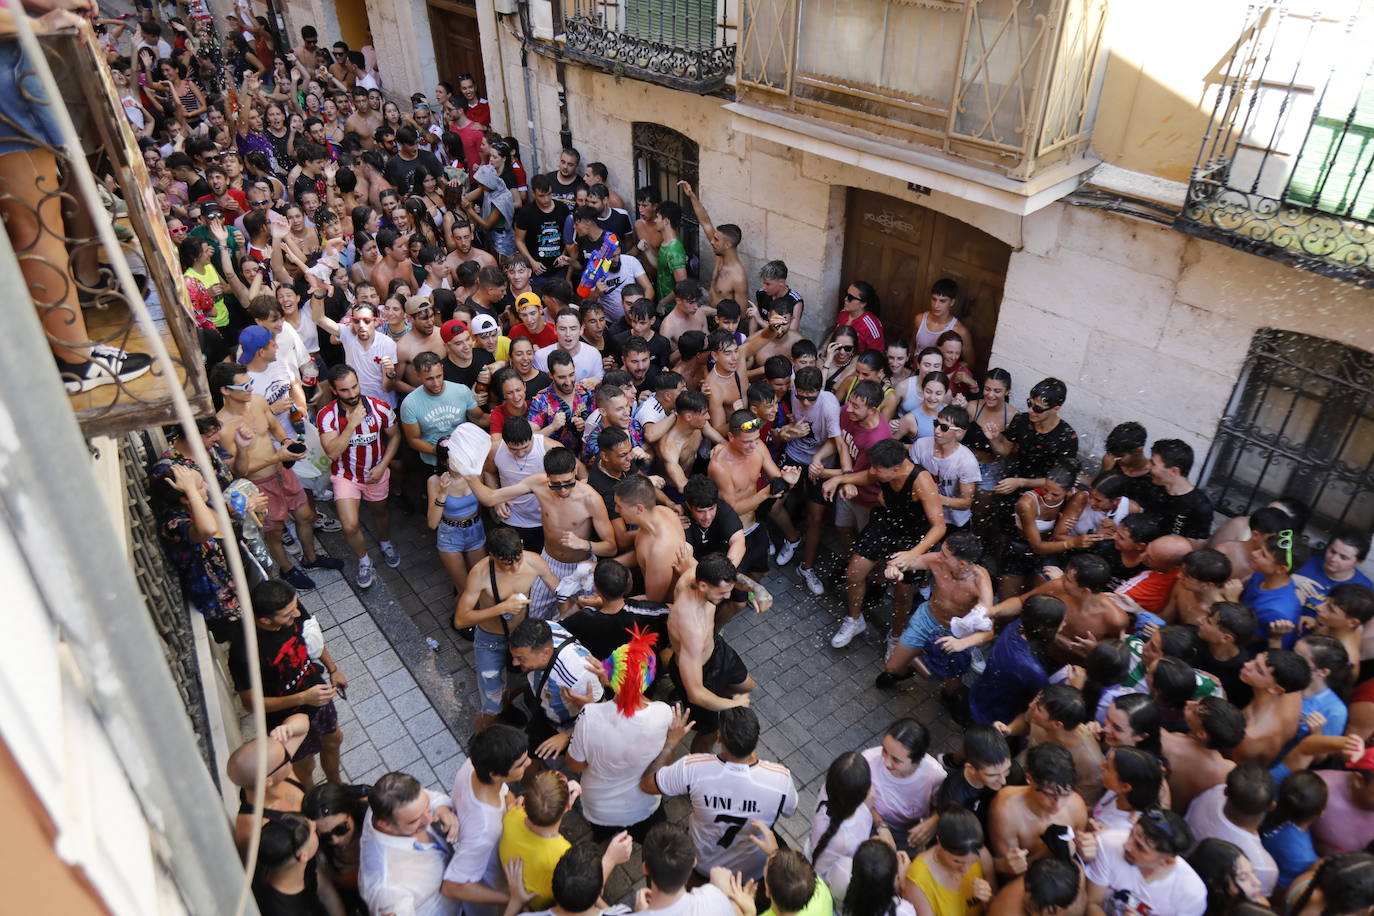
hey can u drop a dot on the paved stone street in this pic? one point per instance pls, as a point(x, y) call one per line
point(410, 707)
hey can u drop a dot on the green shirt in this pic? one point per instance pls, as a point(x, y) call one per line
point(671, 257)
point(820, 903)
point(1135, 679)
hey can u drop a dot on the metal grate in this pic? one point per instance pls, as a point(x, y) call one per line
point(663, 157)
point(1300, 424)
point(677, 43)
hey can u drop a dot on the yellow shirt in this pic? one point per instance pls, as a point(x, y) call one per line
point(946, 902)
point(539, 854)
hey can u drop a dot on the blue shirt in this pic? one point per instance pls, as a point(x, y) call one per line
point(1312, 570)
point(1269, 606)
point(1292, 849)
point(438, 416)
point(1329, 704)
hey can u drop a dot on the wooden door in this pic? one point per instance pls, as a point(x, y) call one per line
point(903, 248)
point(457, 47)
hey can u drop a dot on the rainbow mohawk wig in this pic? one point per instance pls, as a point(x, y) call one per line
point(630, 669)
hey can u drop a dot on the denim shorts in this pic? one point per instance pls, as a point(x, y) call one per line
point(23, 104)
point(993, 472)
point(921, 627)
point(453, 539)
point(490, 657)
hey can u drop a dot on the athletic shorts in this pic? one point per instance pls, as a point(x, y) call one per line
point(284, 495)
point(352, 489)
point(810, 487)
point(755, 551)
point(921, 627)
point(532, 538)
point(849, 514)
point(887, 533)
point(721, 671)
point(324, 720)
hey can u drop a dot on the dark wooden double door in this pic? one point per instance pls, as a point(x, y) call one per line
point(902, 248)
point(457, 47)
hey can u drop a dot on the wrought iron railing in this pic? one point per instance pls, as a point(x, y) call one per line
point(92, 100)
point(1005, 83)
point(1286, 168)
point(684, 44)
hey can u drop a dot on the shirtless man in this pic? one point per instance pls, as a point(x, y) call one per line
point(364, 120)
point(658, 540)
point(708, 673)
point(1091, 616)
point(725, 386)
point(423, 336)
point(960, 584)
point(687, 315)
point(463, 249)
point(737, 467)
point(576, 524)
point(647, 230)
point(252, 435)
point(1198, 759)
point(1050, 887)
point(1027, 823)
point(1278, 678)
point(496, 601)
point(774, 339)
point(728, 277)
point(692, 357)
point(394, 262)
point(1058, 716)
point(677, 450)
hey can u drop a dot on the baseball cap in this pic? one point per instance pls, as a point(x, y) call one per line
point(525, 299)
point(251, 340)
point(484, 324)
point(451, 328)
point(210, 209)
point(415, 303)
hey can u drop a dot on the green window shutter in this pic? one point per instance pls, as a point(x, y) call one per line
point(679, 23)
point(1333, 171)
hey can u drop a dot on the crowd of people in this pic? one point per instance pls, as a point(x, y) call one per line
point(1159, 714)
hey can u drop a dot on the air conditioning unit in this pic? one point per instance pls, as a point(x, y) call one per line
point(506, 7)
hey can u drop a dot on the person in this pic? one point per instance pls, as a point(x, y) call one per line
point(1336, 565)
point(1050, 887)
point(658, 535)
point(193, 542)
point(858, 310)
point(424, 337)
point(985, 768)
point(1141, 870)
point(1045, 817)
point(951, 463)
point(940, 318)
point(905, 781)
point(728, 277)
point(1227, 873)
point(1182, 507)
point(1270, 589)
point(1199, 758)
point(773, 291)
point(844, 819)
point(566, 181)
point(495, 600)
point(668, 257)
point(406, 844)
point(713, 526)
point(337, 815)
point(738, 467)
point(530, 836)
point(288, 882)
point(529, 308)
point(497, 757)
point(613, 741)
point(539, 226)
point(814, 442)
point(1056, 716)
point(670, 860)
point(453, 512)
point(567, 328)
point(292, 681)
point(1019, 663)
point(1234, 812)
point(436, 407)
point(952, 878)
point(281, 793)
point(732, 793)
point(1036, 440)
point(556, 666)
point(1132, 778)
point(607, 620)
point(1286, 829)
point(1278, 678)
point(465, 364)
point(360, 435)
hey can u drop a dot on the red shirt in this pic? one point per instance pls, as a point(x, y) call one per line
point(480, 112)
point(546, 337)
point(1150, 589)
point(499, 416)
point(238, 197)
point(868, 327)
point(368, 444)
point(859, 441)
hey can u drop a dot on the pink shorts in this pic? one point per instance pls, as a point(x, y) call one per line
point(372, 492)
point(284, 495)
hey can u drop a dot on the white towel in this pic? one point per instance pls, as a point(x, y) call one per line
point(975, 621)
point(468, 446)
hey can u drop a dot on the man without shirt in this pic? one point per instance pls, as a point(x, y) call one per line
point(775, 338)
point(1045, 817)
point(464, 250)
point(658, 537)
point(678, 451)
point(728, 278)
point(423, 337)
point(737, 467)
point(687, 315)
point(1092, 614)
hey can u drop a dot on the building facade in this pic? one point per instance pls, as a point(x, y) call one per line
point(1162, 204)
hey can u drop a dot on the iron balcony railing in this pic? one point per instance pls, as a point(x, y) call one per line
point(683, 44)
point(1286, 167)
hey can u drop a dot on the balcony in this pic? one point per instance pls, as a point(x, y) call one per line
point(1002, 85)
point(90, 96)
point(682, 44)
point(1286, 168)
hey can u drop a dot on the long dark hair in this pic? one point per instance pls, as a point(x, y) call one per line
point(1139, 769)
point(1107, 665)
point(1142, 715)
point(846, 786)
point(1215, 861)
point(871, 881)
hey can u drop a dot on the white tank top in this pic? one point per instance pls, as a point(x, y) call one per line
point(524, 510)
point(926, 337)
point(1091, 520)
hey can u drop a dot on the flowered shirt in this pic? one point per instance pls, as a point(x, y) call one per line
point(546, 405)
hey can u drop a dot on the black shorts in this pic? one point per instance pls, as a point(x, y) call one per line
point(603, 834)
point(755, 562)
point(888, 533)
point(812, 488)
point(722, 670)
point(532, 538)
point(324, 720)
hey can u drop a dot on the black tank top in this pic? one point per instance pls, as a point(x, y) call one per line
point(901, 506)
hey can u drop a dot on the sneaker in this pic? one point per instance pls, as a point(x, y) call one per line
point(787, 552)
point(849, 628)
point(325, 495)
point(293, 546)
point(393, 559)
point(887, 679)
point(324, 522)
point(297, 577)
point(890, 645)
point(106, 366)
point(323, 562)
point(366, 576)
point(772, 548)
point(812, 580)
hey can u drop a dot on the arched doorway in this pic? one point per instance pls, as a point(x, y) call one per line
point(662, 158)
point(902, 248)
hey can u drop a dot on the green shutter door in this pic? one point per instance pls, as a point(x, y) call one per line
point(1333, 172)
point(679, 23)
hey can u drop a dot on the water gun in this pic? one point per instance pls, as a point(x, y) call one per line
point(598, 265)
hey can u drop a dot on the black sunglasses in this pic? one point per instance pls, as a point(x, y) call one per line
point(849, 298)
point(845, 347)
point(944, 427)
point(565, 485)
point(807, 397)
point(1037, 408)
point(340, 831)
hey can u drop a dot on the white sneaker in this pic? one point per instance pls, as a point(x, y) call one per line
point(849, 628)
point(366, 576)
point(787, 552)
point(812, 580)
point(393, 559)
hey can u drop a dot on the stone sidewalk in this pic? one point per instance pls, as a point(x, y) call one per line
point(410, 706)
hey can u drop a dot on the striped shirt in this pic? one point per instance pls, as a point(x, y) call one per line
point(569, 670)
point(867, 326)
point(368, 444)
point(725, 797)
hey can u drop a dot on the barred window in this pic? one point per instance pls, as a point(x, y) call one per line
point(1300, 424)
point(662, 158)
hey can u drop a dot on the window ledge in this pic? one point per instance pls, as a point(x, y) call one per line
point(912, 164)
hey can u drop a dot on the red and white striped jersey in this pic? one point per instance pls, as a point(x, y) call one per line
point(368, 444)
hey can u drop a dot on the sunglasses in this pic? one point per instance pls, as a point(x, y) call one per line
point(565, 485)
point(182, 230)
point(750, 425)
point(340, 831)
point(1036, 408)
point(849, 298)
point(807, 398)
point(258, 203)
point(944, 427)
point(844, 348)
point(239, 388)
